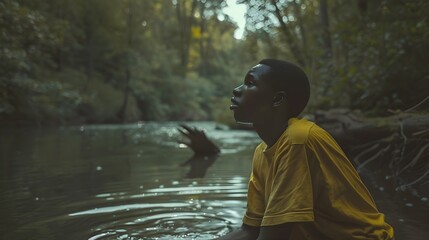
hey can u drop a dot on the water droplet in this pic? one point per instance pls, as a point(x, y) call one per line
point(409, 204)
point(125, 236)
point(174, 182)
point(99, 168)
point(381, 188)
point(402, 188)
point(401, 220)
point(161, 186)
point(82, 128)
point(141, 186)
point(424, 199)
point(37, 199)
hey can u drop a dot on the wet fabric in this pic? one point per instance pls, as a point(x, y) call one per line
point(305, 178)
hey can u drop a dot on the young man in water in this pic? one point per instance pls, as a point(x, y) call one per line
point(302, 185)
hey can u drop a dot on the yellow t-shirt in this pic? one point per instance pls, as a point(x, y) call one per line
point(305, 178)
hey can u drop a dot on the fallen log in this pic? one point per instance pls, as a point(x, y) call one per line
point(399, 143)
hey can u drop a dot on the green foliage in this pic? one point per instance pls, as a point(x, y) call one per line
point(388, 51)
point(26, 41)
point(126, 60)
point(98, 61)
point(368, 55)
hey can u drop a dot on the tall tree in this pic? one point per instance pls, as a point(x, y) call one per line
point(185, 19)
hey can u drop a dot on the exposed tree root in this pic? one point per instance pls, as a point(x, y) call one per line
point(400, 142)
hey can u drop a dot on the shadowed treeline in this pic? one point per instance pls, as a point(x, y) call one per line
point(96, 61)
point(113, 61)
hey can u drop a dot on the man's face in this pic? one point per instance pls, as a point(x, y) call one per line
point(252, 101)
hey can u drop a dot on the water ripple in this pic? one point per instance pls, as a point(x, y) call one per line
point(183, 210)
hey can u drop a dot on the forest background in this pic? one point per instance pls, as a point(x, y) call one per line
point(97, 61)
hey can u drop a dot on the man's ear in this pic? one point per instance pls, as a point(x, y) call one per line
point(279, 98)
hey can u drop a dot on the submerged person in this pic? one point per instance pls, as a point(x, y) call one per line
point(205, 151)
point(302, 186)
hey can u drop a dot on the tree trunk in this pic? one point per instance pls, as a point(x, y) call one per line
point(326, 35)
point(185, 20)
point(202, 40)
point(122, 110)
point(301, 27)
point(291, 39)
point(121, 115)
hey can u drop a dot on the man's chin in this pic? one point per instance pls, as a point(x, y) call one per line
point(240, 119)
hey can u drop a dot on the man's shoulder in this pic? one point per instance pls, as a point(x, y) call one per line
point(299, 130)
point(319, 136)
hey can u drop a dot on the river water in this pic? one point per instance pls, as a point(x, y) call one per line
point(135, 182)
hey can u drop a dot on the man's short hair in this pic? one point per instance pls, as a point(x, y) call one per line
point(288, 77)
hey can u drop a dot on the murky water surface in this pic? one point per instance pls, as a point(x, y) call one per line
point(129, 182)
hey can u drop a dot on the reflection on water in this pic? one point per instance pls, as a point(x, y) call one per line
point(136, 182)
point(170, 212)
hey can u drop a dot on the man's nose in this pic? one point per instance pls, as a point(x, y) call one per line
point(237, 91)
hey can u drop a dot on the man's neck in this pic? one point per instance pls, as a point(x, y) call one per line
point(270, 132)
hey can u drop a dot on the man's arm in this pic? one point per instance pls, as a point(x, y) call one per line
point(276, 232)
point(246, 232)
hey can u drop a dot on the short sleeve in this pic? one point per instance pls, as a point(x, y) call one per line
point(291, 195)
point(255, 192)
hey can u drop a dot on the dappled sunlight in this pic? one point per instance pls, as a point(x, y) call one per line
point(115, 117)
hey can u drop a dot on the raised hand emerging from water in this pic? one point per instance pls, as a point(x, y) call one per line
point(205, 151)
point(198, 141)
